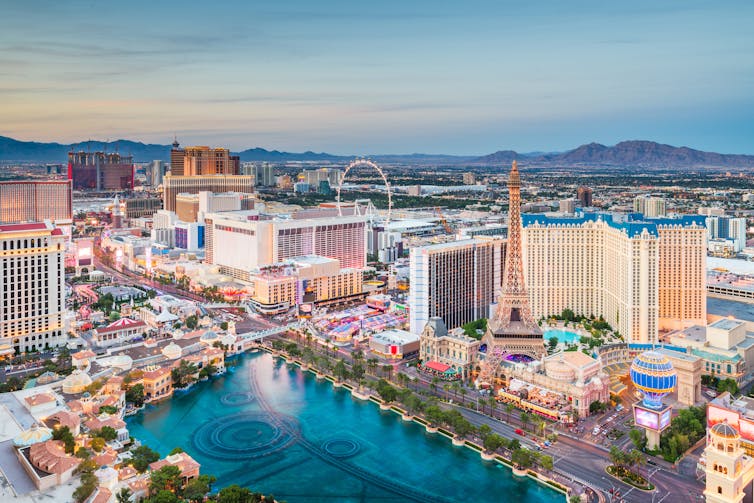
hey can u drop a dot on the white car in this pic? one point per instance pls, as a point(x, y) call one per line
point(596, 431)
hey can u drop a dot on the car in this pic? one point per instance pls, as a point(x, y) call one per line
point(650, 462)
point(519, 431)
point(596, 430)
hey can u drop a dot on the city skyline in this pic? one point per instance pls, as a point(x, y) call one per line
point(394, 78)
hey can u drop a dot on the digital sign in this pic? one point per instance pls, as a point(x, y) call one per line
point(651, 419)
point(665, 418)
point(646, 418)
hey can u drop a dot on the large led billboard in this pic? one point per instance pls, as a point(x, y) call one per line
point(652, 419)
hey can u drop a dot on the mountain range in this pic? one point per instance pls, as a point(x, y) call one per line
point(627, 154)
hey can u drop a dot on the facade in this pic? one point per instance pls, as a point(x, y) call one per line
point(142, 206)
point(307, 279)
point(728, 468)
point(728, 229)
point(156, 172)
point(271, 240)
point(119, 332)
point(395, 344)
point(158, 383)
point(263, 175)
point(173, 185)
point(649, 206)
point(203, 160)
point(456, 281)
point(36, 201)
point(312, 177)
point(33, 303)
point(584, 196)
point(100, 171)
point(723, 346)
point(448, 347)
point(190, 207)
point(641, 275)
point(469, 179)
point(189, 235)
point(567, 206)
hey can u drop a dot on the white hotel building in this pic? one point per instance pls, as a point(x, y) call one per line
point(455, 281)
point(242, 241)
point(641, 274)
point(33, 290)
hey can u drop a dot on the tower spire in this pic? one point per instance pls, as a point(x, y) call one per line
point(512, 329)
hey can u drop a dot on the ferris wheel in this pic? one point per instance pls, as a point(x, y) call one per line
point(374, 166)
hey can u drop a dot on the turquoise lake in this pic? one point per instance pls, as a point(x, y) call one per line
point(270, 427)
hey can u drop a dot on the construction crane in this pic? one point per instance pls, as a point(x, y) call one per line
point(443, 221)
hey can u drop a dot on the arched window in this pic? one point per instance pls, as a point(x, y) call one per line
point(719, 490)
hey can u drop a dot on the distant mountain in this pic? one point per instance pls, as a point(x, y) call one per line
point(260, 154)
point(31, 151)
point(637, 154)
point(499, 157)
point(628, 154)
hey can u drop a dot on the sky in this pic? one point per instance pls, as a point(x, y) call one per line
point(379, 77)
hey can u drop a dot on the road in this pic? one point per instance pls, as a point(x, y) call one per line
point(127, 277)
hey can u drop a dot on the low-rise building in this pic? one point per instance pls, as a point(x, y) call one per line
point(47, 463)
point(118, 332)
point(158, 383)
point(395, 344)
point(186, 464)
point(453, 348)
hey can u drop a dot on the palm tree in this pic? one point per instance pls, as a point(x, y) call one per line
point(525, 419)
point(433, 384)
point(509, 407)
point(446, 388)
point(372, 365)
point(463, 394)
point(123, 496)
point(493, 404)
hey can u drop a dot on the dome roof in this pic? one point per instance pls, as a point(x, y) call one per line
point(209, 337)
point(652, 372)
point(724, 430)
point(172, 351)
point(560, 370)
point(76, 382)
point(33, 435)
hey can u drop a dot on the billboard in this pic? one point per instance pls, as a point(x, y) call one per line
point(656, 420)
point(647, 418)
point(717, 414)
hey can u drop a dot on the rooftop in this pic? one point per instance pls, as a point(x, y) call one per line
point(632, 224)
point(727, 324)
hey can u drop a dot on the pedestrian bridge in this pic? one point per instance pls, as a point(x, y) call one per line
point(255, 336)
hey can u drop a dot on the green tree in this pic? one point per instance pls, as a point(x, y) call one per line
point(484, 431)
point(107, 433)
point(86, 488)
point(567, 315)
point(357, 371)
point(237, 494)
point(98, 443)
point(522, 458)
point(183, 375)
point(123, 496)
point(638, 438)
point(64, 434)
point(728, 385)
point(142, 457)
point(167, 478)
point(135, 395)
point(552, 342)
point(525, 419)
point(546, 462)
point(197, 489)
point(340, 370)
point(386, 391)
point(492, 442)
point(164, 496)
point(192, 322)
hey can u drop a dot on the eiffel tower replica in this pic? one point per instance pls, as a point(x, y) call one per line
point(512, 330)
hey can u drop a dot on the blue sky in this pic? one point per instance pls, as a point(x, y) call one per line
point(355, 77)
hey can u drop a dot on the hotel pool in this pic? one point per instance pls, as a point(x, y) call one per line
point(562, 335)
point(278, 430)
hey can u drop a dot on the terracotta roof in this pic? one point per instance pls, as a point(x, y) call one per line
point(63, 418)
point(156, 374)
point(102, 495)
point(182, 460)
point(39, 399)
point(50, 457)
point(105, 459)
point(112, 422)
point(126, 473)
point(82, 355)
